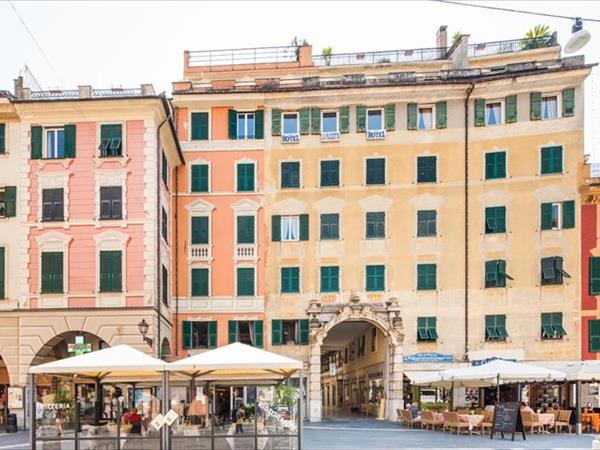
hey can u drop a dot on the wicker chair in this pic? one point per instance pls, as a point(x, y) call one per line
point(563, 420)
point(453, 422)
point(488, 419)
point(530, 422)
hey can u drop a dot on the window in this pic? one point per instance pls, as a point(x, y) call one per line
point(199, 126)
point(495, 328)
point(375, 278)
point(245, 281)
point(53, 207)
point(373, 339)
point(165, 169)
point(111, 203)
point(552, 270)
point(375, 171)
point(330, 173)
point(375, 225)
point(245, 177)
point(200, 230)
point(199, 334)
point(361, 346)
point(493, 113)
point(245, 230)
point(426, 223)
point(425, 118)
point(495, 165)
point(165, 286)
point(594, 336)
point(245, 125)
point(111, 140)
point(290, 174)
point(289, 332)
point(426, 277)
point(550, 106)
point(551, 160)
point(594, 275)
point(375, 119)
point(2, 273)
point(55, 143)
point(52, 273)
point(330, 226)
point(495, 219)
point(249, 332)
point(199, 180)
point(290, 280)
point(164, 223)
point(426, 329)
point(426, 169)
point(200, 282)
point(2, 138)
point(552, 327)
point(330, 279)
point(555, 216)
point(329, 126)
point(289, 228)
point(495, 273)
point(290, 124)
point(8, 201)
point(111, 271)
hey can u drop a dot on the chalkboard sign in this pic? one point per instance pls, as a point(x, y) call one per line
point(507, 419)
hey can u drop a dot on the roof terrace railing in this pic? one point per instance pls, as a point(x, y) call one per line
point(380, 57)
point(58, 94)
point(514, 45)
point(236, 56)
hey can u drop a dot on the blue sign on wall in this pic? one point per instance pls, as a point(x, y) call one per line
point(481, 362)
point(427, 357)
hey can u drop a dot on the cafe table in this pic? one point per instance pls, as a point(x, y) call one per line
point(547, 421)
point(474, 420)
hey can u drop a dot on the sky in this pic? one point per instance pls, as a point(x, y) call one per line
point(108, 44)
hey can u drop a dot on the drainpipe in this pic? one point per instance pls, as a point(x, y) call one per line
point(469, 91)
point(176, 253)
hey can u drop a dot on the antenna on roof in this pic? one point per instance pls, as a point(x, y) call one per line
point(30, 80)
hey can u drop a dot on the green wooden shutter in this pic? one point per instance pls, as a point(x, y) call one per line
point(568, 214)
point(304, 227)
point(594, 275)
point(110, 271)
point(212, 334)
point(10, 201)
point(441, 115)
point(245, 281)
point(258, 333)
point(411, 116)
point(568, 102)
point(200, 126)
point(479, 112)
point(594, 335)
point(275, 228)
point(390, 116)
point(259, 124)
point(186, 334)
point(510, 109)
point(200, 282)
point(535, 105)
point(245, 229)
point(70, 141)
point(344, 119)
point(232, 124)
point(304, 114)
point(276, 332)
point(2, 138)
point(200, 231)
point(36, 142)
point(200, 178)
point(52, 272)
point(315, 120)
point(361, 119)
point(2, 273)
point(232, 331)
point(304, 332)
point(275, 122)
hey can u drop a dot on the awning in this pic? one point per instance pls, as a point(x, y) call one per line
point(421, 376)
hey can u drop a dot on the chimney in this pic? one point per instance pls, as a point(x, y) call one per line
point(441, 37)
point(84, 91)
point(147, 89)
point(18, 83)
point(305, 55)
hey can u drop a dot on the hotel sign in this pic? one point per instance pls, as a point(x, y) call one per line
point(373, 135)
point(427, 357)
point(290, 138)
point(330, 136)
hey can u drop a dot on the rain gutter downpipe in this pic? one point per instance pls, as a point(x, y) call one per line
point(469, 91)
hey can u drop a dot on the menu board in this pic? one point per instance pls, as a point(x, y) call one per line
point(507, 419)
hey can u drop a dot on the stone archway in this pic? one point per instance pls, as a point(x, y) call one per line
point(386, 317)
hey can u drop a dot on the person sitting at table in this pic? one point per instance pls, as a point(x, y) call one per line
point(414, 410)
point(135, 420)
point(526, 408)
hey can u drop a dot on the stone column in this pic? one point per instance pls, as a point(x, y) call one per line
point(314, 384)
point(395, 396)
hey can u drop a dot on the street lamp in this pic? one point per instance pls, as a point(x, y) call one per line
point(143, 328)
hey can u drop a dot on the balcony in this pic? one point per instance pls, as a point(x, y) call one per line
point(199, 252)
point(245, 252)
point(511, 46)
point(380, 57)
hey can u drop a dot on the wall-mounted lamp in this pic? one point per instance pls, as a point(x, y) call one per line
point(143, 327)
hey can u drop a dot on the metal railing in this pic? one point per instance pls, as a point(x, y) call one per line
point(236, 56)
point(380, 57)
point(117, 92)
point(55, 94)
point(514, 45)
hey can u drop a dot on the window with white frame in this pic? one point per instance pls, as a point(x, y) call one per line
point(556, 215)
point(290, 228)
point(290, 123)
point(493, 113)
point(329, 122)
point(375, 119)
point(550, 106)
point(425, 118)
point(245, 125)
point(55, 143)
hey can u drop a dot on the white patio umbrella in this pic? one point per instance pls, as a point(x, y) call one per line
point(586, 371)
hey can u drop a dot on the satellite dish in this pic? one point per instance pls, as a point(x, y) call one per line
point(577, 41)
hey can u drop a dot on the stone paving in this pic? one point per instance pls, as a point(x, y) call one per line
point(358, 433)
